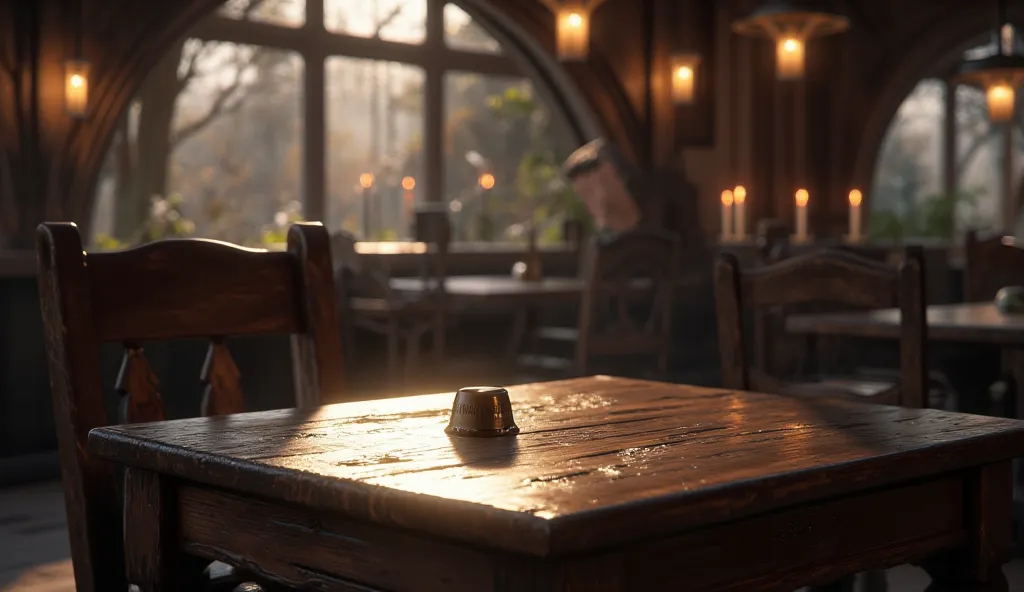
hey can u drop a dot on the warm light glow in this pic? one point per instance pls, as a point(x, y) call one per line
point(789, 58)
point(740, 193)
point(727, 198)
point(366, 180)
point(572, 34)
point(76, 87)
point(801, 197)
point(684, 78)
point(1000, 98)
point(855, 197)
point(408, 183)
point(487, 181)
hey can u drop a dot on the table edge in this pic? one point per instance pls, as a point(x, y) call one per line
point(531, 535)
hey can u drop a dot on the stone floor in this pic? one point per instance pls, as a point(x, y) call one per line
point(34, 547)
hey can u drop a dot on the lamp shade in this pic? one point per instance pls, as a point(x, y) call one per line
point(790, 26)
point(572, 27)
point(684, 77)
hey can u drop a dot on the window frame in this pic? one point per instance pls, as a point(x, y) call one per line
point(315, 44)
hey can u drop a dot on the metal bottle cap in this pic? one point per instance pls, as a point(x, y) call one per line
point(482, 411)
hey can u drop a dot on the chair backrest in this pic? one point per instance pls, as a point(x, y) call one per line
point(640, 265)
point(164, 290)
point(991, 264)
point(825, 276)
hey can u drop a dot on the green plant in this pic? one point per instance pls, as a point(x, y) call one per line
point(935, 216)
point(277, 233)
point(165, 220)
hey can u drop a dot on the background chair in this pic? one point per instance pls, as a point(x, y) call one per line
point(625, 312)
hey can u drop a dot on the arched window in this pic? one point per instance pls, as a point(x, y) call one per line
point(929, 183)
point(346, 111)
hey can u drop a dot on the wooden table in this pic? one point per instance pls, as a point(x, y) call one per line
point(613, 484)
point(963, 323)
point(499, 290)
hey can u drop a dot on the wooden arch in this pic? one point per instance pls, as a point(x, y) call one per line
point(955, 31)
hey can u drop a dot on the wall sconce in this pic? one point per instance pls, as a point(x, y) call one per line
point(76, 88)
point(572, 27)
point(998, 74)
point(684, 77)
point(790, 27)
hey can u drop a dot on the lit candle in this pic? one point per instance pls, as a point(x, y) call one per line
point(727, 199)
point(366, 182)
point(801, 215)
point(408, 199)
point(855, 199)
point(740, 197)
point(789, 58)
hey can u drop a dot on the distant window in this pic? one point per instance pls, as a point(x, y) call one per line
point(909, 197)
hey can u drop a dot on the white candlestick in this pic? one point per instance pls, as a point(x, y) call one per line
point(740, 198)
point(801, 215)
point(855, 216)
point(727, 200)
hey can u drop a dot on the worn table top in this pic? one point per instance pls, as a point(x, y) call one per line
point(966, 322)
point(599, 461)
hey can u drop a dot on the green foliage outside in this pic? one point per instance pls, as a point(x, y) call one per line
point(934, 216)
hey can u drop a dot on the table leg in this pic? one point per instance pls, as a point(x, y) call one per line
point(515, 340)
point(153, 560)
point(978, 566)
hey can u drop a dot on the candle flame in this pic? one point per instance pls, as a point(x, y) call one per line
point(740, 193)
point(366, 180)
point(791, 45)
point(727, 198)
point(684, 72)
point(855, 197)
point(408, 183)
point(801, 197)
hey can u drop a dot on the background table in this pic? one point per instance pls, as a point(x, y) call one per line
point(965, 323)
point(613, 484)
point(499, 290)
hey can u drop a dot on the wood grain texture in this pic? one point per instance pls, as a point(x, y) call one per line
point(600, 461)
point(966, 323)
point(177, 288)
point(795, 546)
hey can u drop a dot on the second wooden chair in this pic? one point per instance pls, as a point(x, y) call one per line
point(824, 276)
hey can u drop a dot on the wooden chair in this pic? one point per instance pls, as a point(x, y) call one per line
point(825, 276)
point(639, 267)
point(171, 289)
point(364, 293)
point(990, 264)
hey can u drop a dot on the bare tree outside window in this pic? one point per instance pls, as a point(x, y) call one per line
point(214, 142)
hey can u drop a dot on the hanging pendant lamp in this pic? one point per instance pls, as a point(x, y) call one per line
point(572, 27)
point(791, 25)
point(1000, 75)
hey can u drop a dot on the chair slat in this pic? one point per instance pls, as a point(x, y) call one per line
point(223, 393)
point(139, 388)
